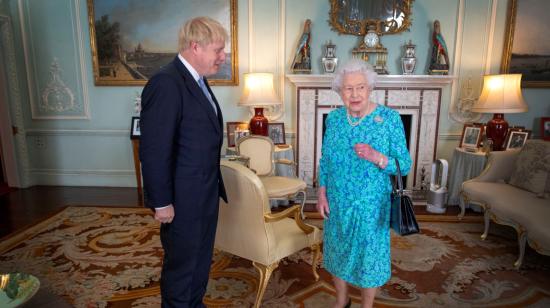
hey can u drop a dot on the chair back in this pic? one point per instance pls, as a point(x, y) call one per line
point(259, 150)
point(242, 229)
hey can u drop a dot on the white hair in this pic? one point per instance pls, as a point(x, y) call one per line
point(354, 66)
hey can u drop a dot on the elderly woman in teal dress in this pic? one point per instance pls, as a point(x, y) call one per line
point(361, 143)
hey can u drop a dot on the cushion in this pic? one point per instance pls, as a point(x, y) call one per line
point(532, 167)
point(282, 187)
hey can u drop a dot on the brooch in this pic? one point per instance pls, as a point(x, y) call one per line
point(378, 119)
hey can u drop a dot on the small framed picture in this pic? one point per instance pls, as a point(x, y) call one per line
point(276, 132)
point(231, 127)
point(471, 135)
point(516, 139)
point(135, 131)
point(545, 128)
point(240, 133)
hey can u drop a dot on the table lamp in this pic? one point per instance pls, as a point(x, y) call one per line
point(258, 93)
point(501, 94)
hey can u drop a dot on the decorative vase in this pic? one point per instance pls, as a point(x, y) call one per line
point(408, 62)
point(329, 60)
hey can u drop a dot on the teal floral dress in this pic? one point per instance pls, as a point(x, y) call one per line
point(357, 232)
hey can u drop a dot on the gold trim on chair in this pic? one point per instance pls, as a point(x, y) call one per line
point(288, 213)
point(265, 274)
point(316, 249)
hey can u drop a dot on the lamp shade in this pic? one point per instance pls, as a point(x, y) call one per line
point(501, 94)
point(258, 90)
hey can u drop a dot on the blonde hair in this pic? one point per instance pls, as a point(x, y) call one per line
point(354, 66)
point(203, 30)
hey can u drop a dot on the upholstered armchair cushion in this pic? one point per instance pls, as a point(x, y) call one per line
point(280, 187)
point(532, 167)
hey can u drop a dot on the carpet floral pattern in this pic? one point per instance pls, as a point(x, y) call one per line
point(111, 257)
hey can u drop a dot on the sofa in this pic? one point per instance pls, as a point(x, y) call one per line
point(514, 190)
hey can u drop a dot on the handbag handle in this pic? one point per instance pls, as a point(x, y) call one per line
point(398, 179)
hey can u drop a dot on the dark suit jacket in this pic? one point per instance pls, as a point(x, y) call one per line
point(180, 144)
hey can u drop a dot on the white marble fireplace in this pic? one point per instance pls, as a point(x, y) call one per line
point(417, 96)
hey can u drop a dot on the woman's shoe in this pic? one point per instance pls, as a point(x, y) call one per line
point(348, 305)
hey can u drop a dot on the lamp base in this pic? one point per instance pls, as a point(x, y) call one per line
point(496, 131)
point(258, 123)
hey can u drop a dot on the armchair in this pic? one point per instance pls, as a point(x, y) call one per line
point(260, 150)
point(248, 229)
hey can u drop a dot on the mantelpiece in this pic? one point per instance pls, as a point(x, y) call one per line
point(417, 97)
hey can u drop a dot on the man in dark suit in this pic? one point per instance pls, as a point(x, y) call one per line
point(180, 144)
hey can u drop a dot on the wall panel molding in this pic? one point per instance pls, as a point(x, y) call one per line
point(85, 177)
point(79, 132)
point(38, 90)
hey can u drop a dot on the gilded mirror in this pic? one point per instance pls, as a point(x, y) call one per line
point(355, 16)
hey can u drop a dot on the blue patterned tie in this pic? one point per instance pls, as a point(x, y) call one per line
point(208, 96)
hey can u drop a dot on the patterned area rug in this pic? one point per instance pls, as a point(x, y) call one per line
point(110, 257)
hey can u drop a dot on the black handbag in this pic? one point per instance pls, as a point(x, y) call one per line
point(402, 219)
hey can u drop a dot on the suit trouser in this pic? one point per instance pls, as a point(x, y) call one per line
point(188, 247)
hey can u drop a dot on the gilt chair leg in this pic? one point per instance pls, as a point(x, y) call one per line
point(303, 203)
point(316, 249)
point(487, 220)
point(265, 274)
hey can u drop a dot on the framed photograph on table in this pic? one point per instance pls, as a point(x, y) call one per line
point(516, 139)
point(471, 136)
point(545, 128)
point(131, 40)
point(241, 128)
point(524, 51)
point(135, 131)
point(276, 131)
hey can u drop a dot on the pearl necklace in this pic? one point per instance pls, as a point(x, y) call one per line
point(350, 121)
point(353, 124)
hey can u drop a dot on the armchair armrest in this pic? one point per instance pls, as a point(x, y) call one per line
point(289, 213)
point(500, 166)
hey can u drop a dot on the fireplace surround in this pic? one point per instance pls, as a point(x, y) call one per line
point(417, 97)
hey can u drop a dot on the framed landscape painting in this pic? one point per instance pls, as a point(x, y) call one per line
point(526, 45)
point(131, 40)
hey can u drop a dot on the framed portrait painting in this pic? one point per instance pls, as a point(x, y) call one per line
point(471, 136)
point(276, 131)
point(526, 50)
point(235, 131)
point(135, 131)
point(517, 139)
point(545, 128)
point(131, 40)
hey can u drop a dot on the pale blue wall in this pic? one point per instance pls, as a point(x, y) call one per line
point(97, 151)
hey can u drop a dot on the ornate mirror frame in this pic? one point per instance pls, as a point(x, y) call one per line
point(397, 20)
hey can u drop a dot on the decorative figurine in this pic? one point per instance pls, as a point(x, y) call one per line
point(439, 62)
point(329, 60)
point(302, 57)
point(408, 62)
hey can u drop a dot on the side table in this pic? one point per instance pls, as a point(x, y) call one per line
point(464, 166)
